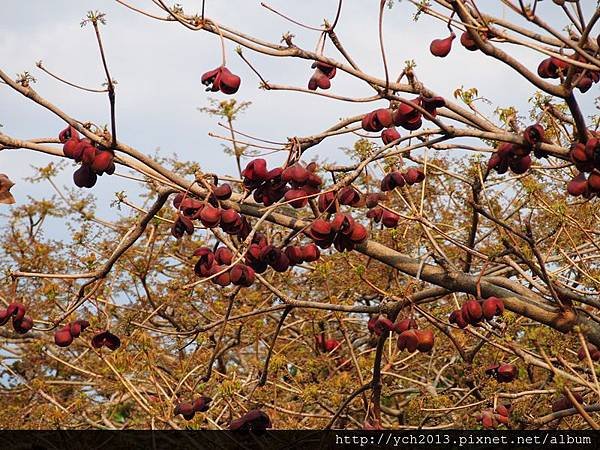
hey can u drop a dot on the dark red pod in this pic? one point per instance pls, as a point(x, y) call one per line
point(506, 373)
point(294, 254)
point(223, 256)
point(405, 324)
point(223, 192)
point(408, 340)
point(210, 216)
point(186, 409)
point(22, 326)
point(425, 340)
point(390, 135)
point(310, 252)
point(201, 404)
point(85, 177)
point(442, 47)
point(491, 307)
point(254, 420)
point(106, 339)
point(242, 275)
point(77, 326)
point(472, 312)
point(456, 317)
point(383, 325)
point(63, 337)
point(16, 310)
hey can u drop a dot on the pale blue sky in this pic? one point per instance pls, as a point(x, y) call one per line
point(158, 67)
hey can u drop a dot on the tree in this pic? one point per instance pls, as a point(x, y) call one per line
point(422, 283)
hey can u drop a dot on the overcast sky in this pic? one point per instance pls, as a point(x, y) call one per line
point(158, 67)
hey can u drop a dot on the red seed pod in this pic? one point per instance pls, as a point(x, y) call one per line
point(406, 113)
point(101, 161)
point(468, 42)
point(256, 170)
point(472, 312)
point(181, 226)
point(106, 339)
point(383, 325)
point(413, 176)
point(223, 256)
point(223, 192)
point(441, 47)
point(63, 337)
point(565, 403)
point(320, 229)
point(210, 216)
point(408, 340)
point(242, 275)
point(593, 181)
point(201, 404)
point(534, 134)
point(84, 177)
point(331, 345)
point(425, 340)
point(310, 252)
point(255, 420)
point(326, 202)
point(491, 307)
point(359, 234)
point(405, 324)
point(506, 373)
point(592, 349)
point(294, 254)
point(520, 165)
point(389, 219)
point(69, 148)
point(22, 326)
point(77, 326)
point(578, 185)
point(348, 196)
point(376, 214)
point(16, 311)
point(68, 134)
point(372, 200)
point(457, 318)
point(390, 135)
point(297, 198)
point(488, 419)
point(186, 409)
point(223, 278)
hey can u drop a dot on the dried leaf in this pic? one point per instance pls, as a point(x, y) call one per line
point(5, 185)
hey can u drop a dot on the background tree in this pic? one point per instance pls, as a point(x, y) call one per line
point(442, 277)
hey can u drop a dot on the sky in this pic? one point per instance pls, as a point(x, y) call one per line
point(158, 66)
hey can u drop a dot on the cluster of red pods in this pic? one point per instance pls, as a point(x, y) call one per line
point(270, 186)
point(408, 115)
point(343, 232)
point(410, 337)
point(189, 409)
point(259, 257)
point(473, 311)
point(554, 67)
point(210, 213)
point(64, 336)
point(94, 161)
point(20, 322)
point(491, 418)
point(441, 47)
point(586, 158)
point(517, 157)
